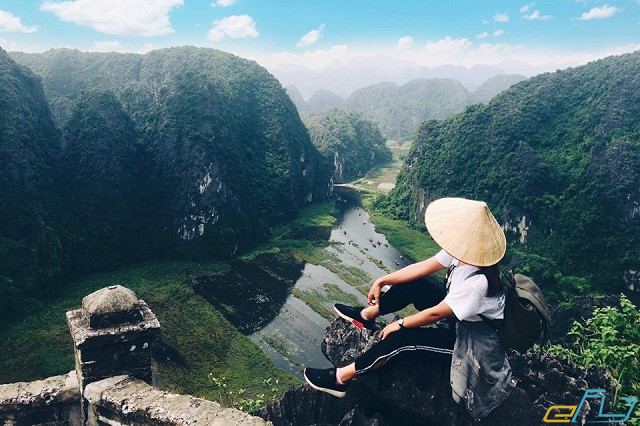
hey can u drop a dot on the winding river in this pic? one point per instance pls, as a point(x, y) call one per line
point(292, 338)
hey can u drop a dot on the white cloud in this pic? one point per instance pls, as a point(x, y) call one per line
point(12, 24)
point(498, 33)
point(483, 35)
point(234, 26)
point(311, 37)
point(116, 46)
point(223, 3)
point(526, 7)
point(8, 45)
point(537, 16)
point(442, 50)
point(144, 18)
point(313, 59)
point(501, 17)
point(603, 12)
point(405, 43)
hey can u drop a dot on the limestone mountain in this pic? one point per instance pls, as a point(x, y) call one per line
point(231, 153)
point(103, 182)
point(557, 157)
point(30, 252)
point(399, 110)
point(493, 86)
point(352, 144)
point(296, 98)
point(323, 100)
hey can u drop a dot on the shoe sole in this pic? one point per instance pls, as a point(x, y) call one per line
point(351, 320)
point(337, 394)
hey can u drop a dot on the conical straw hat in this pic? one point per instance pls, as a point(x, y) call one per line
point(466, 230)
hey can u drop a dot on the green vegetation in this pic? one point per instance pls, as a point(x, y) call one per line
point(31, 235)
point(335, 294)
point(351, 144)
point(399, 110)
point(561, 152)
point(103, 180)
point(611, 339)
point(197, 340)
point(182, 153)
point(319, 300)
point(493, 86)
point(314, 299)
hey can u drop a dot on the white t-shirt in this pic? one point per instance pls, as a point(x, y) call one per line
point(466, 297)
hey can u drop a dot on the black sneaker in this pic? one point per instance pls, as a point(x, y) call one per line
point(324, 380)
point(352, 314)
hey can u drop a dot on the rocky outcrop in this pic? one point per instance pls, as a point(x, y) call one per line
point(414, 389)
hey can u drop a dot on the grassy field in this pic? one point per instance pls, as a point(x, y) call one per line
point(199, 352)
point(200, 343)
point(386, 173)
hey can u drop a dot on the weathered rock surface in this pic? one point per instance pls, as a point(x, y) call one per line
point(55, 399)
point(413, 389)
point(125, 400)
point(113, 305)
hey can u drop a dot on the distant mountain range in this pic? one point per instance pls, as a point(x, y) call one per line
point(345, 78)
point(399, 110)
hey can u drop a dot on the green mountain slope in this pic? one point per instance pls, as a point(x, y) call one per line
point(231, 153)
point(30, 252)
point(105, 184)
point(494, 86)
point(557, 158)
point(399, 110)
point(353, 145)
point(323, 100)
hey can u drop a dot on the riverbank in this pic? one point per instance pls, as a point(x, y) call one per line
point(218, 330)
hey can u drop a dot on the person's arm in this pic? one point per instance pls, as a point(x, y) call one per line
point(406, 274)
point(424, 317)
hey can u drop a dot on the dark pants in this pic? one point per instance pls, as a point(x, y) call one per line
point(437, 342)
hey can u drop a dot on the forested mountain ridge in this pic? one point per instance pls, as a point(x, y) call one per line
point(104, 179)
point(350, 143)
point(557, 158)
point(182, 152)
point(30, 248)
point(494, 86)
point(399, 110)
point(216, 125)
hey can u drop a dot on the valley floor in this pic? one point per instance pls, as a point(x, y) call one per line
point(204, 349)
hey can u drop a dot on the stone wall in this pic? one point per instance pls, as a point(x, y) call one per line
point(53, 401)
point(124, 400)
point(112, 333)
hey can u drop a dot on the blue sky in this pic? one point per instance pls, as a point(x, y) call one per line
point(318, 33)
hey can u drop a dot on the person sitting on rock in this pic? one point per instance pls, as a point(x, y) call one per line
point(472, 244)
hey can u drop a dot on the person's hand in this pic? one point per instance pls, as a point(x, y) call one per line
point(373, 298)
point(390, 328)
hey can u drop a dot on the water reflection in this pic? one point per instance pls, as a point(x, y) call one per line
point(357, 256)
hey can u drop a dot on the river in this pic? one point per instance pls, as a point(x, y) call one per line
point(292, 338)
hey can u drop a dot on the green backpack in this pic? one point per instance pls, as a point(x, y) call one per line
point(526, 314)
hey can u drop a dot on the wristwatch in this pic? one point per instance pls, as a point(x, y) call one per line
point(401, 322)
